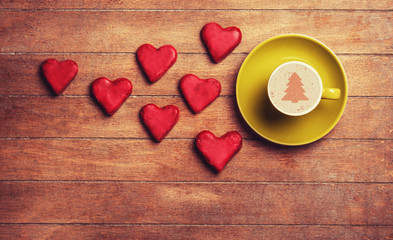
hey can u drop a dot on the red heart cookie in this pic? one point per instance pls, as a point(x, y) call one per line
point(218, 151)
point(59, 74)
point(111, 95)
point(159, 121)
point(220, 42)
point(155, 63)
point(199, 93)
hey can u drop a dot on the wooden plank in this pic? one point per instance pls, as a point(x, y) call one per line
point(228, 4)
point(55, 231)
point(125, 31)
point(177, 160)
point(82, 117)
point(23, 70)
point(20, 73)
point(363, 70)
point(196, 203)
point(363, 114)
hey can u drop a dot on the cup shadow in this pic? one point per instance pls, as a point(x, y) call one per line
point(266, 112)
point(269, 113)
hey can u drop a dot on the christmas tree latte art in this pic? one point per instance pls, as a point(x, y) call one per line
point(294, 88)
point(294, 92)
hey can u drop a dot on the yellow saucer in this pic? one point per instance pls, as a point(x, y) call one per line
point(254, 104)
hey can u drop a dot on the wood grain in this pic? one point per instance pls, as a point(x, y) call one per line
point(171, 232)
point(196, 203)
point(205, 4)
point(113, 31)
point(177, 160)
point(82, 117)
point(21, 76)
point(67, 171)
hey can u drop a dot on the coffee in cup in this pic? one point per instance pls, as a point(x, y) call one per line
point(295, 88)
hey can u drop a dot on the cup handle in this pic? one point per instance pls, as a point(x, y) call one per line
point(331, 93)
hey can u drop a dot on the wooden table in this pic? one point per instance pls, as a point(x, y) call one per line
point(68, 171)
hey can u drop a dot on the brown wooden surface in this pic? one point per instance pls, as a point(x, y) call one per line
point(168, 203)
point(44, 116)
point(118, 31)
point(143, 231)
point(23, 70)
point(228, 4)
point(86, 159)
point(67, 171)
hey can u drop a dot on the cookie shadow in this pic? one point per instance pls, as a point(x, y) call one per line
point(206, 49)
point(147, 132)
point(45, 82)
point(142, 71)
point(202, 158)
point(98, 105)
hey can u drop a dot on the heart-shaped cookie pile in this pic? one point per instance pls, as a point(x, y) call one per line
point(59, 74)
point(159, 121)
point(217, 151)
point(220, 42)
point(111, 94)
point(199, 93)
point(156, 62)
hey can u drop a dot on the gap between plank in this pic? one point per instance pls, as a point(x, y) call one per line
point(198, 182)
point(184, 10)
point(147, 96)
point(201, 225)
point(177, 139)
point(179, 53)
